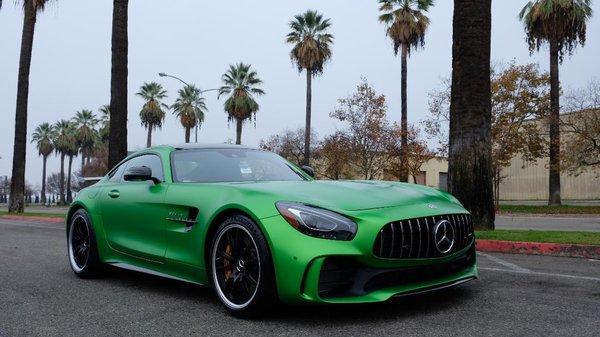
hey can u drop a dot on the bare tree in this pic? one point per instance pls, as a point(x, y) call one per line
point(289, 144)
point(582, 141)
point(333, 157)
point(368, 132)
point(417, 153)
point(520, 94)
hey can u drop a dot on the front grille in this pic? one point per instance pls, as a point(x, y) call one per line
point(414, 238)
point(345, 277)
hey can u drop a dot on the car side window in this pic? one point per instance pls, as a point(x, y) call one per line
point(151, 161)
point(115, 175)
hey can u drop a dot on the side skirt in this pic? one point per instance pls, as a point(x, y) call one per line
point(151, 272)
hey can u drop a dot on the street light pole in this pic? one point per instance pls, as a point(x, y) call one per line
point(185, 83)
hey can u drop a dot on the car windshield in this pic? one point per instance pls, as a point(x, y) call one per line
point(230, 165)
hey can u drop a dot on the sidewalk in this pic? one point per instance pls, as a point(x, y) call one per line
point(588, 223)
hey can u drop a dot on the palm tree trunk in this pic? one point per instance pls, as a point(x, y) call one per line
point(470, 144)
point(308, 117)
point(187, 134)
point(43, 192)
point(554, 176)
point(82, 161)
point(117, 139)
point(238, 131)
point(62, 180)
point(404, 118)
point(149, 139)
point(69, 194)
point(17, 182)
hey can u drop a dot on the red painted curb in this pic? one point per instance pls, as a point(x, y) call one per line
point(33, 218)
point(539, 248)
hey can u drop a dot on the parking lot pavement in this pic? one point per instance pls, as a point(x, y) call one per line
point(515, 295)
point(588, 223)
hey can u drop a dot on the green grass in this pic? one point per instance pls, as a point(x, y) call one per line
point(563, 209)
point(41, 214)
point(583, 238)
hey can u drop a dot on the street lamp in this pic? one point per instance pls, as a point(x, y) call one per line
point(185, 83)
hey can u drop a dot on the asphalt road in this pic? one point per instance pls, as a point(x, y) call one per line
point(516, 295)
point(588, 223)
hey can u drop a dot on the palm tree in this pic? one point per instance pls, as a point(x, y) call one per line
point(17, 185)
point(406, 26)
point(152, 115)
point(85, 136)
point(117, 145)
point(43, 136)
point(242, 84)
point(104, 121)
point(561, 24)
point(190, 108)
point(64, 145)
point(71, 152)
point(470, 145)
point(312, 49)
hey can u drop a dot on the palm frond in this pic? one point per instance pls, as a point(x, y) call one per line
point(311, 41)
point(560, 20)
point(241, 83)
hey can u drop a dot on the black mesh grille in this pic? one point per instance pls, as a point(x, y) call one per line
point(414, 238)
point(345, 277)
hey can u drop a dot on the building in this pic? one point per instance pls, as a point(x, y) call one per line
point(526, 180)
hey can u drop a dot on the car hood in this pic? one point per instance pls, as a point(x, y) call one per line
point(347, 195)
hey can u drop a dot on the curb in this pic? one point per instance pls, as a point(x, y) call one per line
point(539, 248)
point(33, 218)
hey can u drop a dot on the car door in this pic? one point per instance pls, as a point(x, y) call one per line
point(133, 212)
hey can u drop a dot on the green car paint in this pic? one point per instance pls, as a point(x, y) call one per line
point(146, 227)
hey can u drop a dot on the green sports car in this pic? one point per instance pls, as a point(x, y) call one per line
point(260, 230)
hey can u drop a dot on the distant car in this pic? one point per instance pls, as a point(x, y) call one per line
point(259, 230)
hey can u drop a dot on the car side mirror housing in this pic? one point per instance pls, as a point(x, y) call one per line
point(139, 173)
point(308, 170)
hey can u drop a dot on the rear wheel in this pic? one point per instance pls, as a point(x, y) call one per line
point(82, 248)
point(242, 269)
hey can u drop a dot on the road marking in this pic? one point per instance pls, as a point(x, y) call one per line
point(507, 264)
point(28, 225)
point(535, 273)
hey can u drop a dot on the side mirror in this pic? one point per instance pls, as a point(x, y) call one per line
point(308, 170)
point(139, 173)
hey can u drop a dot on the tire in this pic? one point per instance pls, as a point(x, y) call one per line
point(81, 246)
point(241, 268)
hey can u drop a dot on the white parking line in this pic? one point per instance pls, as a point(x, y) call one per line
point(506, 264)
point(535, 273)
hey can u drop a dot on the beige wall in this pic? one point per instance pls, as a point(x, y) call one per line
point(529, 181)
point(432, 170)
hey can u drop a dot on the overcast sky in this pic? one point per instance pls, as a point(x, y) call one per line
point(197, 40)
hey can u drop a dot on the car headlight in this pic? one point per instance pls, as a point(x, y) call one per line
point(317, 222)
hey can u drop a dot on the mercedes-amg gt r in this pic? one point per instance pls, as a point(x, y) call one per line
point(260, 230)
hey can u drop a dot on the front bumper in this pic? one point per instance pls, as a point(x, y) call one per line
point(302, 263)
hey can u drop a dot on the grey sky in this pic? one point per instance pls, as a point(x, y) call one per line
point(196, 40)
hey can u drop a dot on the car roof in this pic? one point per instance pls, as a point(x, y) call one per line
point(194, 146)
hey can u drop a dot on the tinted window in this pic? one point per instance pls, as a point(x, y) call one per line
point(230, 165)
point(149, 160)
point(116, 174)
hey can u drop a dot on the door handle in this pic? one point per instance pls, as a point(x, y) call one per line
point(114, 194)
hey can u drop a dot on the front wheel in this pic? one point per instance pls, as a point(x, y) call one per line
point(81, 244)
point(241, 268)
